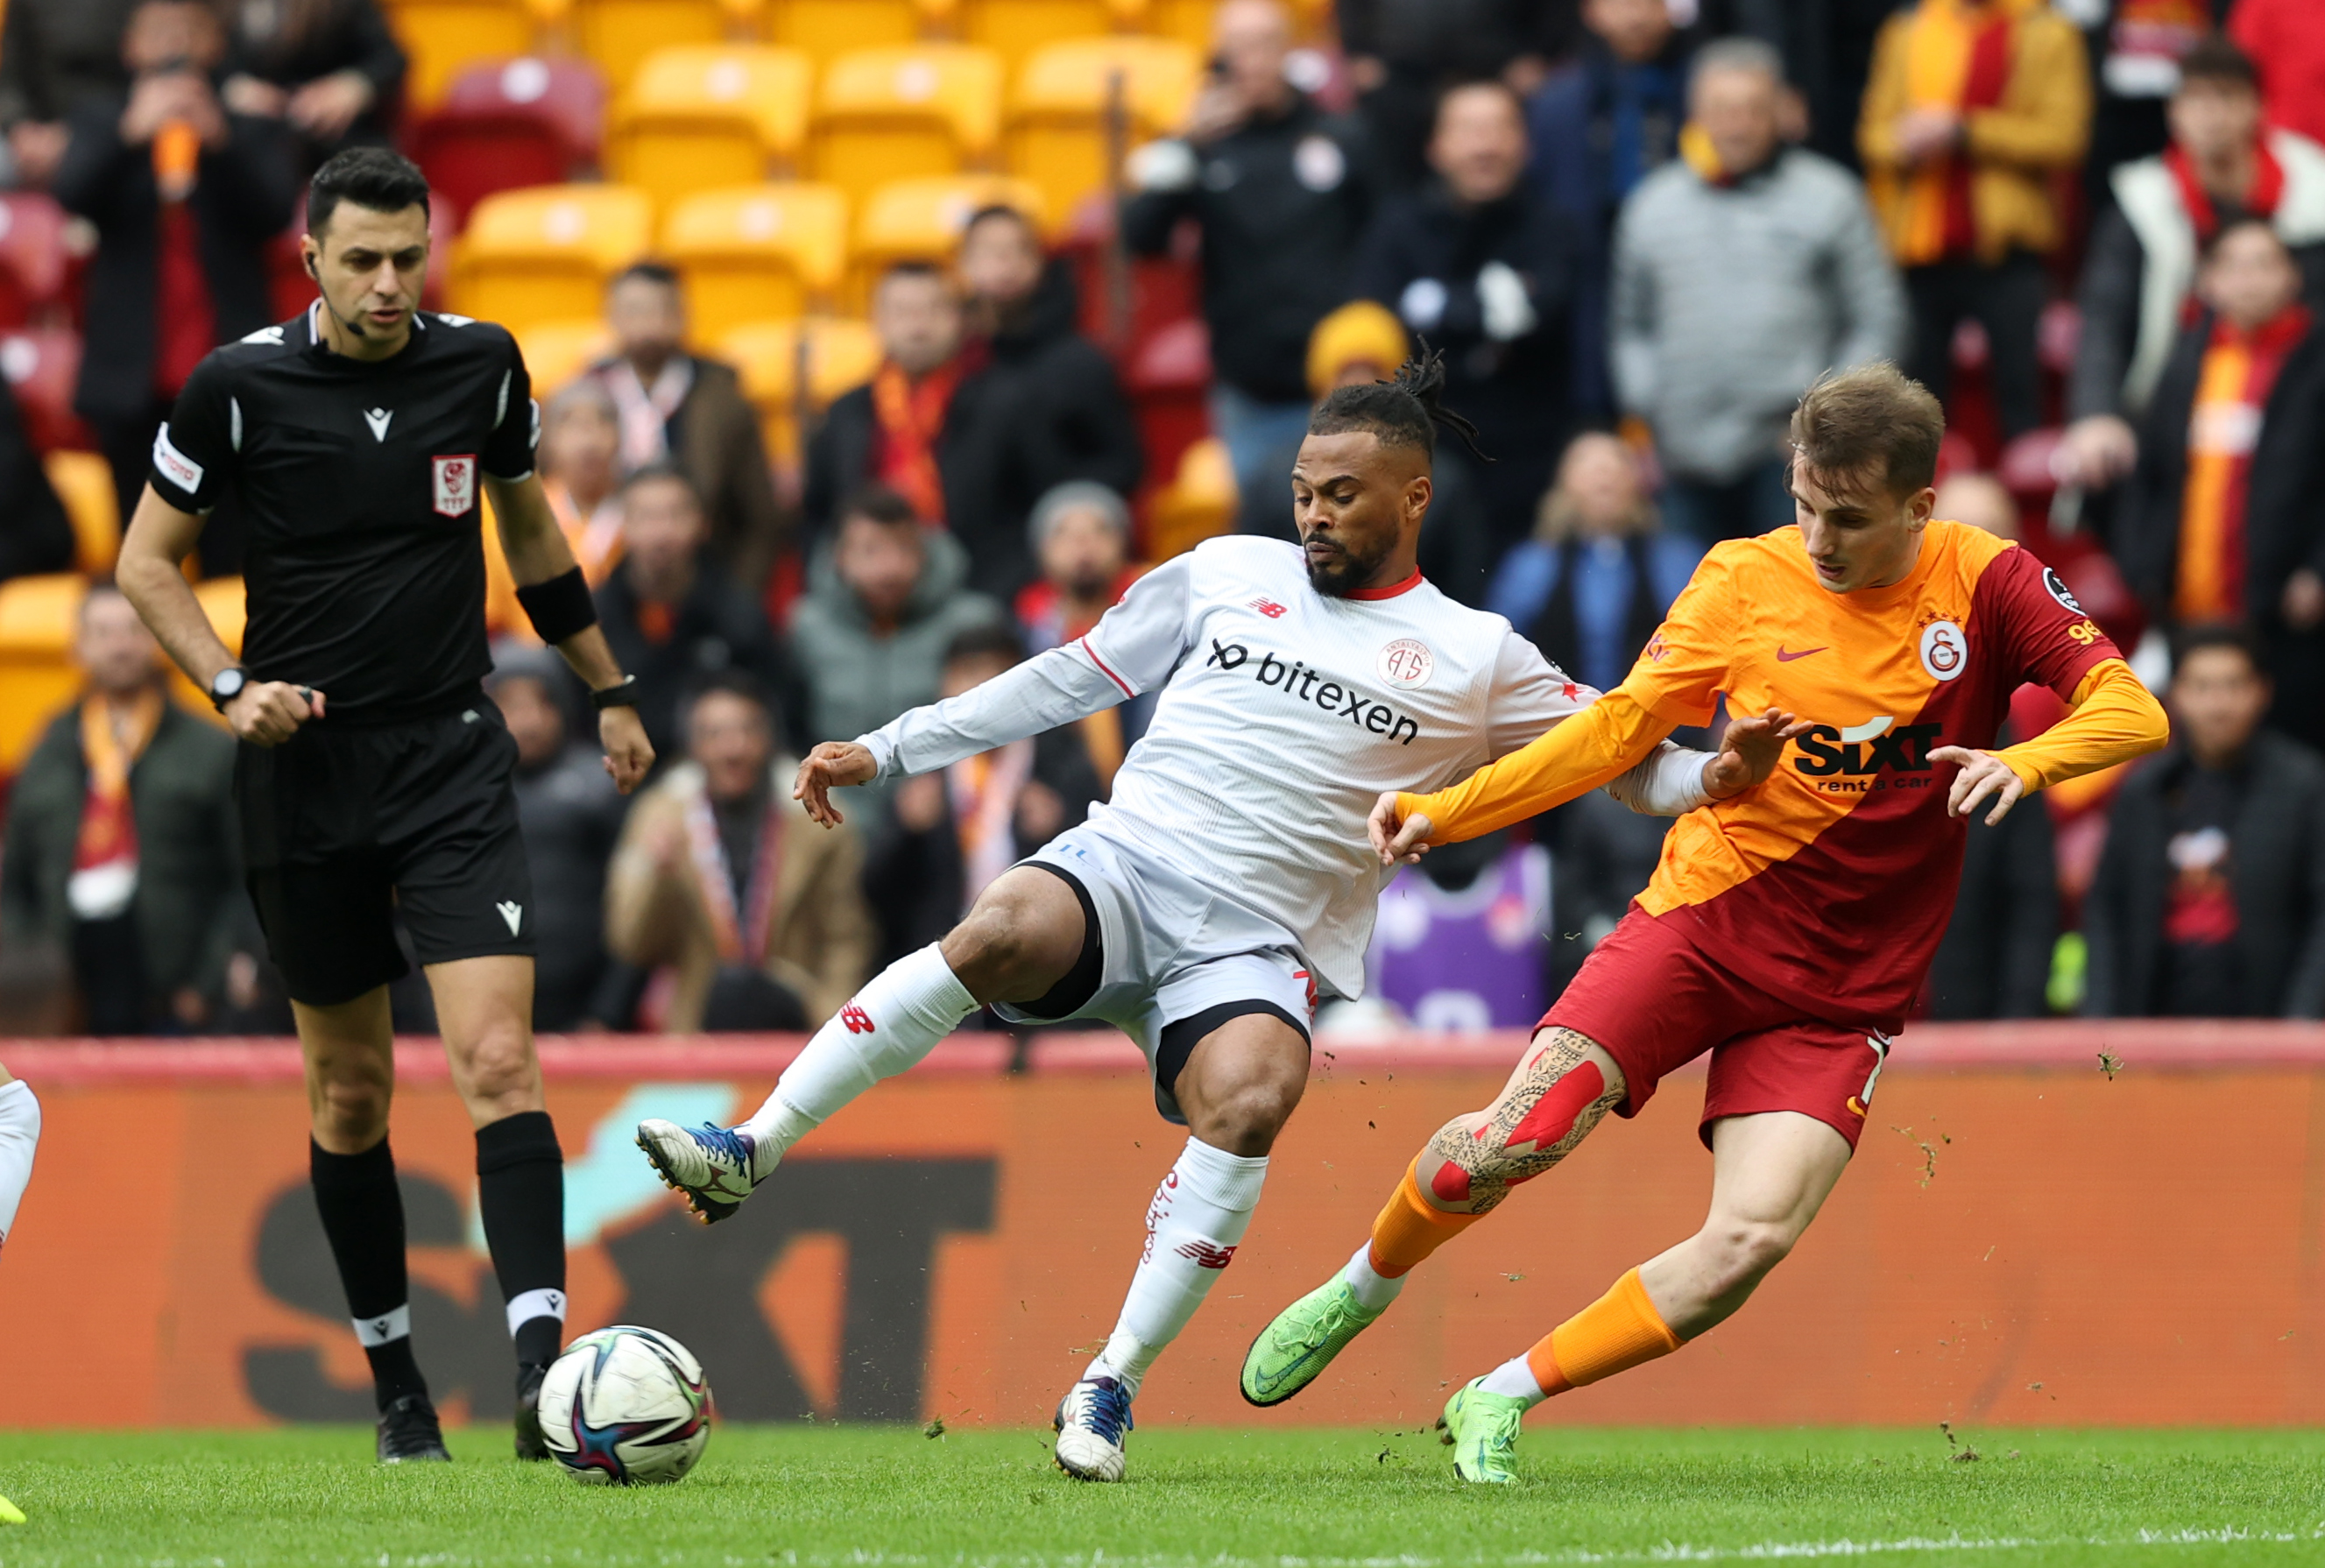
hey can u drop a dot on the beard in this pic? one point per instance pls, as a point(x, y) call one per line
point(1343, 571)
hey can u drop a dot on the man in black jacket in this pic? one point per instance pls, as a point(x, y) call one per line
point(1281, 191)
point(1402, 53)
point(185, 197)
point(2210, 900)
point(1479, 266)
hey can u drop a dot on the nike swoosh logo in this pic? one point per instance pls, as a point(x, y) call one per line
point(1784, 658)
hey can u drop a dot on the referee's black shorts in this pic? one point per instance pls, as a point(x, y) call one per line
point(344, 826)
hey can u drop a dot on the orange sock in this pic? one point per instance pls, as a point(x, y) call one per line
point(1409, 1229)
point(1613, 1334)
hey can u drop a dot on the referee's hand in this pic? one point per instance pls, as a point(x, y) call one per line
point(628, 753)
point(831, 765)
point(271, 712)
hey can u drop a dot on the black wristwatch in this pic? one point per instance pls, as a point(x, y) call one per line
point(226, 685)
point(622, 693)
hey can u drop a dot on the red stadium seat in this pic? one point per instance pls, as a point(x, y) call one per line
point(33, 262)
point(42, 365)
point(1168, 380)
point(507, 123)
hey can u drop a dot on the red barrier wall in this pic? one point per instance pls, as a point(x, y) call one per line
point(2024, 1240)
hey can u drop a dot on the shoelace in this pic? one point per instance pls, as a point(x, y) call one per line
point(1104, 1408)
point(724, 1143)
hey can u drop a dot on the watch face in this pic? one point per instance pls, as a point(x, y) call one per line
point(227, 685)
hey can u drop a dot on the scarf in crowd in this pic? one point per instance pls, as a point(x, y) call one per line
point(596, 540)
point(2260, 202)
point(112, 737)
point(985, 790)
point(1958, 57)
point(646, 410)
point(911, 416)
point(2232, 388)
point(741, 934)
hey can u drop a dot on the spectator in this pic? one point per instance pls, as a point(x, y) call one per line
point(1402, 53)
point(2210, 900)
point(35, 535)
point(121, 848)
point(332, 69)
point(721, 877)
point(1479, 266)
point(2287, 37)
point(1995, 961)
point(1742, 273)
point(56, 55)
point(185, 195)
point(1592, 584)
point(1828, 49)
point(580, 473)
point(671, 614)
point(2220, 166)
point(1080, 533)
point(1280, 190)
point(687, 409)
point(2222, 521)
point(1600, 128)
point(1973, 106)
point(2137, 49)
point(1461, 941)
point(570, 814)
point(881, 607)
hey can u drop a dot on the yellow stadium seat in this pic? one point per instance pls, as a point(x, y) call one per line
point(1187, 21)
point(755, 253)
point(37, 677)
point(890, 114)
point(1200, 504)
point(556, 353)
point(1015, 28)
point(83, 481)
point(922, 220)
point(699, 116)
point(442, 36)
point(544, 254)
point(826, 29)
point(621, 37)
point(1058, 113)
point(841, 354)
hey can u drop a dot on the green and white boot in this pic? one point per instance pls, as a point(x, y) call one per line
point(1482, 1431)
point(1302, 1341)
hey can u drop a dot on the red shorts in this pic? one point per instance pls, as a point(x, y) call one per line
point(1655, 1001)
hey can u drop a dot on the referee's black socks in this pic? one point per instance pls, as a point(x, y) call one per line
point(521, 1188)
point(363, 1217)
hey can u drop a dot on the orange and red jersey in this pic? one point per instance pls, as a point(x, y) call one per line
point(1829, 884)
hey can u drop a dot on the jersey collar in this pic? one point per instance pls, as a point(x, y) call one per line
point(1391, 591)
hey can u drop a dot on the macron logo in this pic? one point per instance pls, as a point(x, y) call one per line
point(1268, 608)
point(512, 913)
point(377, 419)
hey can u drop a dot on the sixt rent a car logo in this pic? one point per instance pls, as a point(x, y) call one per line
point(1865, 750)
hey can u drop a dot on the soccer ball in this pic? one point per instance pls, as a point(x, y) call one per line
point(626, 1407)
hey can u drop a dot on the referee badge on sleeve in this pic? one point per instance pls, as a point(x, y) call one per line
point(455, 485)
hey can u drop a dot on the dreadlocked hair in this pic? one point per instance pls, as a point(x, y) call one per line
point(1405, 412)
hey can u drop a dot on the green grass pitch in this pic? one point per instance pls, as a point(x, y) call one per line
point(887, 1497)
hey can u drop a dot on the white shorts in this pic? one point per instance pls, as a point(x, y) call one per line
point(1173, 949)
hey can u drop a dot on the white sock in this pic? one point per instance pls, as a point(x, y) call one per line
point(1515, 1377)
point(20, 1134)
point(1372, 1289)
point(892, 1022)
point(1199, 1214)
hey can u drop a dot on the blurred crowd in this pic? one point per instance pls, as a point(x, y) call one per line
point(1637, 229)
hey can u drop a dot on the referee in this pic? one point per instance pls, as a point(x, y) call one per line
point(374, 772)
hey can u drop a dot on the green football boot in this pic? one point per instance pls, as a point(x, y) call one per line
point(1482, 1430)
point(1302, 1341)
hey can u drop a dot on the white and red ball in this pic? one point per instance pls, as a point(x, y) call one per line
point(626, 1407)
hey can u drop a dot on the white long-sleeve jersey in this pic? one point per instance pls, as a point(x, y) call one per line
point(1283, 715)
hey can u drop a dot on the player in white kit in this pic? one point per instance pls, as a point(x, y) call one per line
point(1227, 884)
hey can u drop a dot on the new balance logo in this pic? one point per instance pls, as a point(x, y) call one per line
point(1206, 1254)
point(858, 1020)
point(377, 419)
point(512, 913)
point(1268, 608)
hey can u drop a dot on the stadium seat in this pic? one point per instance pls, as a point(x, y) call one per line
point(31, 255)
point(1015, 28)
point(1057, 114)
point(1169, 379)
point(824, 30)
point(37, 677)
point(545, 254)
point(83, 481)
point(1187, 21)
point(699, 117)
point(509, 123)
point(43, 365)
point(755, 253)
point(623, 35)
point(841, 355)
point(922, 220)
point(557, 352)
point(1200, 504)
point(891, 114)
point(443, 37)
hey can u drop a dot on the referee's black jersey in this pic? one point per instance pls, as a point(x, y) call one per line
point(366, 569)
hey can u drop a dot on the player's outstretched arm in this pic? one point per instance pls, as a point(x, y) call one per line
point(152, 573)
point(2116, 719)
point(833, 764)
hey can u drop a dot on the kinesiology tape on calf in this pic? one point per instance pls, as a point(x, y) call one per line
point(1558, 1097)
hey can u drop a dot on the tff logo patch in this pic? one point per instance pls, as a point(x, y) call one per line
point(455, 484)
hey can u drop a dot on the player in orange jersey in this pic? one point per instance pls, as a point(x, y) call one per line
point(1786, 929)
